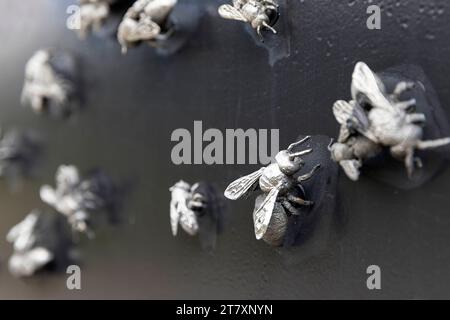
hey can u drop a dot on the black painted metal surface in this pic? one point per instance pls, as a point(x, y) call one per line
point(227, 80)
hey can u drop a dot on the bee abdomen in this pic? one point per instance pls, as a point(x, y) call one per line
point(277, 226)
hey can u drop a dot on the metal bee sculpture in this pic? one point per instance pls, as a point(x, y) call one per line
point(282, 190)
point(183, 204)
point(19, 152)
point(146, 21)
point(51, 83)
point(375, 119)
point(41, 240)
point(260, 14)
point(93, 14)
point(81, 200)
point(198, 209)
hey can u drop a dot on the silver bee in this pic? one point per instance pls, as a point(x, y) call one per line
point(260, 14)
point(93, 14)
point(375, 119)
point(278, 182)
point(77, 198)
point(184, 204)
point(40, 241)
point(48, 82)
point(18, 153)
point(146, 20)
point(29, 256)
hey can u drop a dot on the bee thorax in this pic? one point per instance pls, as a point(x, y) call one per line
point(272, 177)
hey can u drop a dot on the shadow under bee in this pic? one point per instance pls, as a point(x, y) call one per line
point(210, 219)
point(277, 45)
point(322, 190)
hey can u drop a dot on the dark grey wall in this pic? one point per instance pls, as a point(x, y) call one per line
point(223, 78)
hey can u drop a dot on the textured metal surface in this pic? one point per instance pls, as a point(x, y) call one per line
point(223, 77)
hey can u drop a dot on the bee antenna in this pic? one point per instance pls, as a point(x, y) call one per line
point(300, 153)
point(265, 24)
point(293, 145)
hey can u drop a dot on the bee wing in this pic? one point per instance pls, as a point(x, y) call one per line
point(175, 214)
point(342, 111)
point(229, 12)
point(188, 221)
point(23, 228)
point(365, 82)
point(351, 116)
point(239, 187)
point(344, 134)
point(263, 215)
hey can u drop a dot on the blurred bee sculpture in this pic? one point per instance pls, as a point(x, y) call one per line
point(19, 152)
point(80, 200)
point(260, 14)
point(93, 14)
point(198, 209)
point(51, 83)
point(375, 119)
point(282, 190)
point(41, 240)
point(146, 20)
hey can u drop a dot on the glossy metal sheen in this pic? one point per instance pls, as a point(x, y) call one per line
point(145, 20)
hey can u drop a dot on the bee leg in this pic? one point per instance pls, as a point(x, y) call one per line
point(429, 144)
point(418, 162)
point(289, 207)
point(308, 176)
point(265, 24)
point(258, 31)
point(415, 118)
point(299, 200)
point(409, 162)
point(165, 36)
point(402, 87)
point(406, 105)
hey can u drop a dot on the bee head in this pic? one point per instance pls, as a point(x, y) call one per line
point(198, 200)
point(288, 163)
